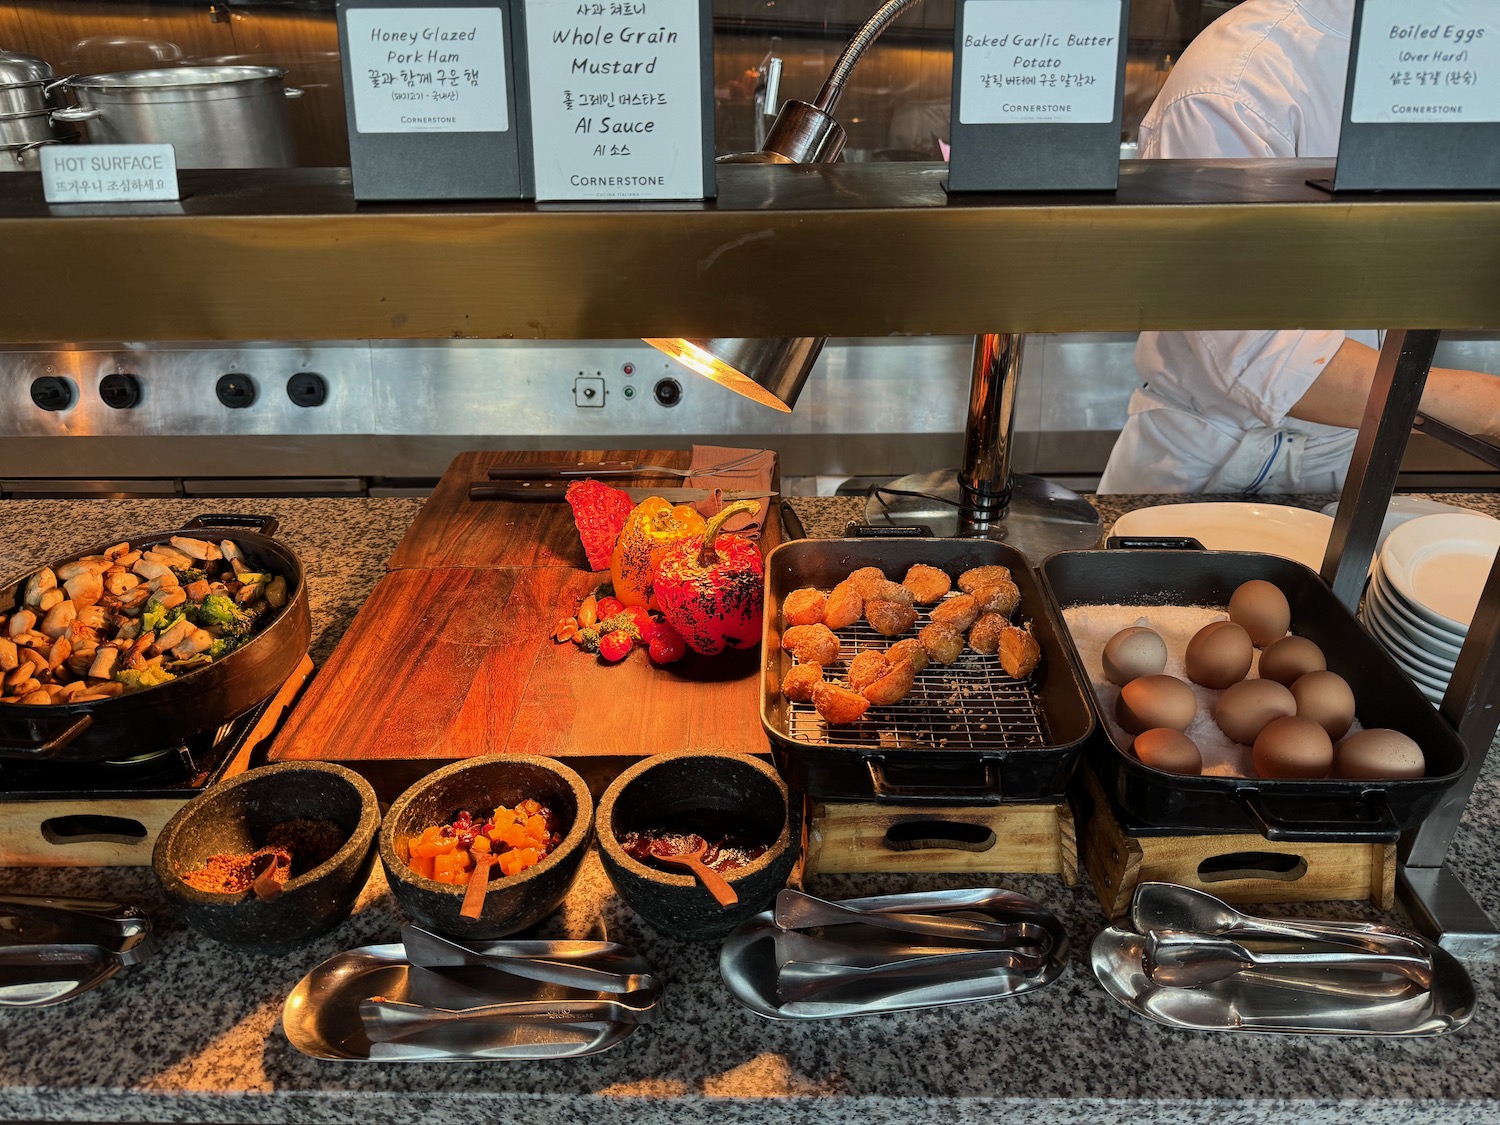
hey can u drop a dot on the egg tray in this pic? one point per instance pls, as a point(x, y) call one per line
point(1302, 810)
point(966, 734)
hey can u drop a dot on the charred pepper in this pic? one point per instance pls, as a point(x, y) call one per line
point(653, 527)
point(710, 587)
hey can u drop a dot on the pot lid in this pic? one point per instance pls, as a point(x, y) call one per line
point(16, 68)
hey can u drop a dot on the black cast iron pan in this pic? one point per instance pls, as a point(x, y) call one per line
point(1323, 809)
point(205, 698)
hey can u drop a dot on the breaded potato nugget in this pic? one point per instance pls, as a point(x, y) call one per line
point(984, 634)
point(866, 668)
point(885, 591)
point(804, 607)
point(957, 613)
point(845, 606)
point(942, 644)
point(811, 644)
point(1019, 652)
point(890, 619)
point(865, 576)
point(893, 686)
point(927, 584)
point(838, 705)
point(999, 597)
point(799, 681)
point(971, 580)
point(909, 649)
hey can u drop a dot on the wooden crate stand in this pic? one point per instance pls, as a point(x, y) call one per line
point(1237, 867)
point(859, 837)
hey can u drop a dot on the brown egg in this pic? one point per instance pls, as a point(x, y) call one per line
point(1261, 609)
point(1378, 753)
point(1155, 701)
point(1219, 654)
point(1290, 658)
point(1326, 699)
point(1168, 750)
point(1132, 653)
point(1292, 747)
point(1245, 708)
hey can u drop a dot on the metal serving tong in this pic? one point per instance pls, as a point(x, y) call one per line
point(55, 948)
point(552, 962)
point(796, 910)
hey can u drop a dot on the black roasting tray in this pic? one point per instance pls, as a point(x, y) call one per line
point(967, 734)
point(1280, 809)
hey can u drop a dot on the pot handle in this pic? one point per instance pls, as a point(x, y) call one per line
point(264, 525)
point(887, 793)
point(292, 92)
point(12, 748)
point(76, 113)
point(1277, 823)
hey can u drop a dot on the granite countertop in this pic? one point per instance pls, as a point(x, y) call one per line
point(194, 1034)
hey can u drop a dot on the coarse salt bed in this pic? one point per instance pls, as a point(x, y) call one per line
point(1093, 625)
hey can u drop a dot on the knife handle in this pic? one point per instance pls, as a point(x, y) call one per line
point(519, 490)
point(564, 470)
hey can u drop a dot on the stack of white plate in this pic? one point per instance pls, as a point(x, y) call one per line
point(1424, 589)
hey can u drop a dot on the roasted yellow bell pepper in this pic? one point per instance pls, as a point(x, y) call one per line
point(654, 526)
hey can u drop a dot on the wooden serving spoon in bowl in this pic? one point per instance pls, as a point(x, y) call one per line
point(714, 883)
point(479, 885)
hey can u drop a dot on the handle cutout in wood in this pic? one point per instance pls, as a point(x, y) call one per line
point(921, 835)
point(90, 828)
point(1252, 865)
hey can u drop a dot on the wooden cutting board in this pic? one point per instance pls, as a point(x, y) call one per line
point(446, 662)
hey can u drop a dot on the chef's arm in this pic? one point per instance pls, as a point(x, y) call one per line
point(1466, 400)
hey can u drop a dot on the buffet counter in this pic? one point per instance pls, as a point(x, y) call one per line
point(193, 1034)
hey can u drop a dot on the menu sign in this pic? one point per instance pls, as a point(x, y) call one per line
point(617, 93)
point(420, 70)
point(108, 173)
point(1434, 61)
point(1039, 61)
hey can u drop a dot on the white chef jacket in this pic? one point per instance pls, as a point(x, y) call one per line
point(1264, 80)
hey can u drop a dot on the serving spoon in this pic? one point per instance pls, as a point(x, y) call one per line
point(1184, 960)
point(714, 883)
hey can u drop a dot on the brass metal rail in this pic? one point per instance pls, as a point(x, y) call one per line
point(841, 250)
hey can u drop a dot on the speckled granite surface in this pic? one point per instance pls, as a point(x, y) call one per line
point(194, 1035)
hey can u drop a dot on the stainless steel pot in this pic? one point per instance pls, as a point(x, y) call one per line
point(22, 68)
point(29, 128)
point(214, 116)
point(28, 158)
point(28, 97)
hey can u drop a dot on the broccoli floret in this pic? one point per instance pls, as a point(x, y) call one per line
point(158, 618)
point(187, 575)
point(151, 675)
point(218, 612)
point(222, 646)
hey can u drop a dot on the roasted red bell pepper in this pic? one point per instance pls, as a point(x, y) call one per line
point(710, 587)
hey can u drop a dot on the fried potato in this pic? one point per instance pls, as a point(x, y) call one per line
point(811, 644)
point(800, 680)
point(890, 619)
point(804, 607)
point(942, 644)
point(927, 584)
point(837, 704)
point(845, 606)
point(910, 649)
point(866, 668)
point(1019, 652)
point(893, 686)
point(984, 634)
point(865, 576)
point(957, 613)
point(971, 580)
point(999, 597)
point(886, 591)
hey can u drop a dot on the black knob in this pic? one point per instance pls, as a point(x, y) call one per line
point(306, 388)
point(235, 391)
point(120, 391)
point(668, 392)
point(52, 393)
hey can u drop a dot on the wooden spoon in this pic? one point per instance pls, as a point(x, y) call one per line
point(479, 885)
point(712, 881)
point(267, 886)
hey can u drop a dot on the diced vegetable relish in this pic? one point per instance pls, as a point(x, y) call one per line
point(519, 837)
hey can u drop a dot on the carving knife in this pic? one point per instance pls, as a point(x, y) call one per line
point(557, 490)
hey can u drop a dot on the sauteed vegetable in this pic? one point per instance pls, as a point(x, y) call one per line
point(125, 620)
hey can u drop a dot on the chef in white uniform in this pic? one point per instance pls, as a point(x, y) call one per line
point(1261, 412)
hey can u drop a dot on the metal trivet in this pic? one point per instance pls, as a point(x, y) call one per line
point(970, 704)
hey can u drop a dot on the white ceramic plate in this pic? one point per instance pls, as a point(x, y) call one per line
point(1440, 647)
point(1405, 653)
point(1439, 564)
point(1273, 529)
point(1420, 676)
point(1403, 509)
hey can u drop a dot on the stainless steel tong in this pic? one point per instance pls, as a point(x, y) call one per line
point(55, 948)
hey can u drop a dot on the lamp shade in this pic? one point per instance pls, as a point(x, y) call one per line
point(770, 371)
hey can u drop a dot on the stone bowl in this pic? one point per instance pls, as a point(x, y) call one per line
point(513, 902)
point(706, 791)
point(233, 818)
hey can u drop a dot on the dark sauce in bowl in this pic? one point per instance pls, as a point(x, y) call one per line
point(726, 851)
